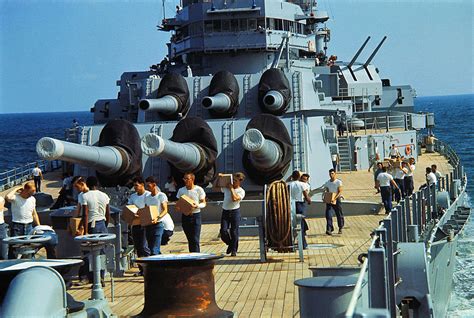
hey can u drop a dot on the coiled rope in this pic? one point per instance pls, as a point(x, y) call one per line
point(278, 220)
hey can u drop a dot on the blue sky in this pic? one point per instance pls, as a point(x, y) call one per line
point(64, 55)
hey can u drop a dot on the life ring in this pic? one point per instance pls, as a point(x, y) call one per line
point(408, 150)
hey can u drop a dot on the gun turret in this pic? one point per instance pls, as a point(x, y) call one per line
point(268, 149)
point(184, 156)
point(116, 159)
point(223, 99)
point(107, 160)
point(264, 153)
point(167, 105)
point(274, 92)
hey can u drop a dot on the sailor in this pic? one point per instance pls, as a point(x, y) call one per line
point(399, 175)
point(154, 232)
point(376, 174)
point(65, 194)
point(3, 232)
point(192, 223)
point(335, 161)
point(138, 233)
point(170, 188)
point(439, 176)
point(430, 177)
point(37, 177)
point(384, 181)
point(230, 218)
point(299, 193)
point(168, 228)
point(409, 184)
point(394, 153)
point(334, 185)
point(23, 209)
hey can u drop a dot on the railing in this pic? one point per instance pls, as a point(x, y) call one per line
point(16, 176)
point(383, 123)
point(412, 220)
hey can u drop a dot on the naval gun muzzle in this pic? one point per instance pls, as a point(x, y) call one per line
point(117, 157)
point(107, 160)
point(172, 97)
point(184, 156)
point(223, 98)
point(274, 94)
point(273, 100)
point(264, 154)
point(268, 149)
point(167, 105)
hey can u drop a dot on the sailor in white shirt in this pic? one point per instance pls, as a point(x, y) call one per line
point(3, 232)
point(168, 228)
point(409, 184)
point(334, 185)
point(37, 177)
point(138, 233)
point(394, 153)
point(430, 177)
point(154, 232)
point(399, 175)
point(192, 223)
point(299, 194)
point(23, 209)
point(95, 208)
point(170, 188)
point(384, 180)
point(230, 219)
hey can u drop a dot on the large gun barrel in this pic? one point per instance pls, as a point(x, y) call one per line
point(184, 156)
point(220, 102)
point(106, 160)
point(264, 154)
point(167, 105)
point(273, 100)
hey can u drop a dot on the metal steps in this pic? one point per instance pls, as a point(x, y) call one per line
point(345, 154)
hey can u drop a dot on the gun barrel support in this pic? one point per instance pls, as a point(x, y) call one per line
point(264, 153)
point(107, 160)
point(184, 156)
point(167, 105)
point(219, 102)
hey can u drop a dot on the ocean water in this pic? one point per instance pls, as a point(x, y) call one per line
point(454, 116)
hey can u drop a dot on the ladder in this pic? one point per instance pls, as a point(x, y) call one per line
point(228, 146)
point(345, 156)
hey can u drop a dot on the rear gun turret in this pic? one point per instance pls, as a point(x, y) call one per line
point(116, 159)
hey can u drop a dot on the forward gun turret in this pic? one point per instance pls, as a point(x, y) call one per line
point(264, 153)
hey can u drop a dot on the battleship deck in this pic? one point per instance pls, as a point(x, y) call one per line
point(250, 288)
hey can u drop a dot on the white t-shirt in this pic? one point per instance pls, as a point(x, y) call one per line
point(22, 209)
point(168, 222)
point(333, 185)
point(431, 178)
point(157, 200)
point(138, 200)
point(296, 190)
point(438, 175)
point(96, 201)
point(334, 157)
point(170, 186)
point(36, 172)
point(2, 202)
point(384, 179)
point(197, 193)
point(410, 172)
point(394, 151)
point(228, 204)
point(399, 174)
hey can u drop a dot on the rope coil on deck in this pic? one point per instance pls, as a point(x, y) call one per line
point(278, 222)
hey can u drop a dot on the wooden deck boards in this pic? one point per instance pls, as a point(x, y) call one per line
point(243, 284)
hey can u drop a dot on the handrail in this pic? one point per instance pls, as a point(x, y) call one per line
point(18, 175)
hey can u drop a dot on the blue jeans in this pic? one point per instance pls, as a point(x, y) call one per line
point(386, 193)
point(192, 229)
point(339, 216)
point(399, 194)
point(153, 234)
point(19, 229)
point(37, 181)
point(139, 241)
point(301, 209)
point(165, 238)
point(230, 221)
point(3, 247)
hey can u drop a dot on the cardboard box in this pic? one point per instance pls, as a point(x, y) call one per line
point(129, 215)
point(74, 225)
point(223, 181)
point(185, 205)
point(329, 197)
point(148, 214)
